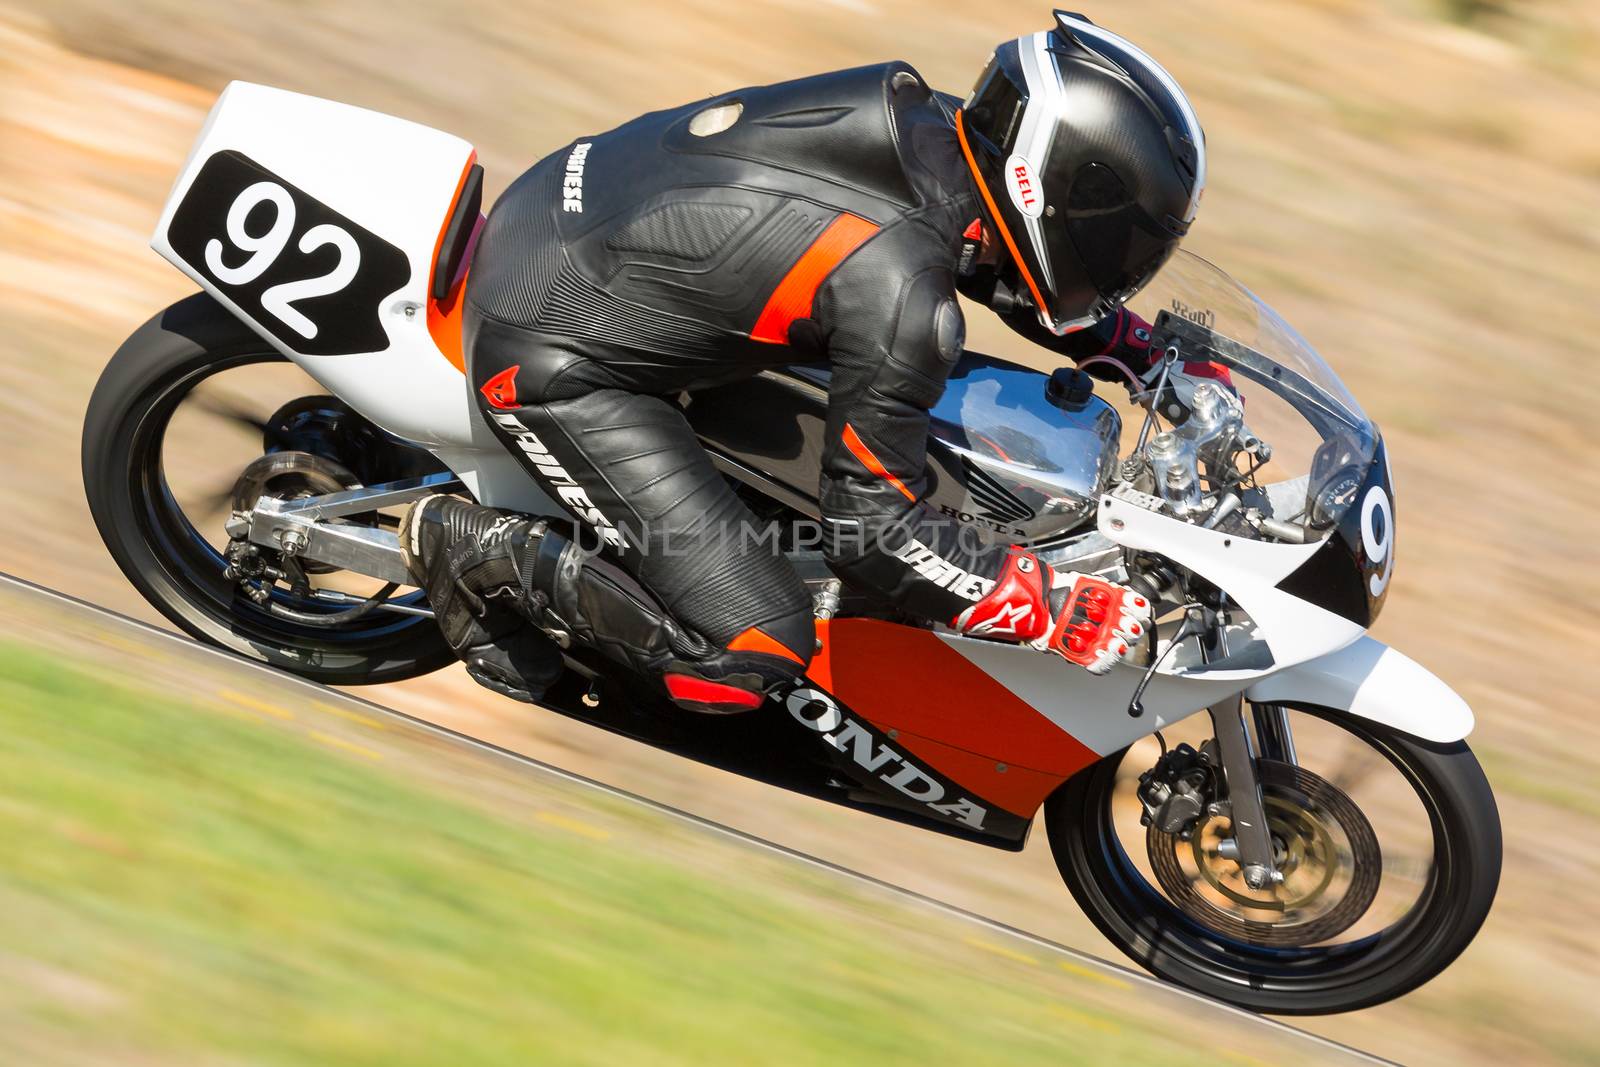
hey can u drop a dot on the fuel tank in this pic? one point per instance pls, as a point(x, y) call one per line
point(1002, 457)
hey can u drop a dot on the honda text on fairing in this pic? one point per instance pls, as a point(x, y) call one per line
point(1262, 804)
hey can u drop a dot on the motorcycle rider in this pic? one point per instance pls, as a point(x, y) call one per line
point(830, 219)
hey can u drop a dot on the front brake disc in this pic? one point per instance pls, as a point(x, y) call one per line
point(1318, 833)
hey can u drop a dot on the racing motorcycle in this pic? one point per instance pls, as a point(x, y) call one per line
point(1265, 805)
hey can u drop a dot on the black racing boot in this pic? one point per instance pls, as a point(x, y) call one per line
point(464, 556)
point(490, 574)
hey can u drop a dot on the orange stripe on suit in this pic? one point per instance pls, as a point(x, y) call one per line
point(792, 298)
point(858, 448)
point(754, 640)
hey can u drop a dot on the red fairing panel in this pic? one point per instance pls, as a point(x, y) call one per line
point(946, 711)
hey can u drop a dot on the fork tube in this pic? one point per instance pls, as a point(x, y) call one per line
point(1274, 737)
point(1247, 812)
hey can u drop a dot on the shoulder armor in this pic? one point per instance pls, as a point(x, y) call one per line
point(845, 127)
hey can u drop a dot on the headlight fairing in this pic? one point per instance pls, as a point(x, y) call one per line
point(1349, 575)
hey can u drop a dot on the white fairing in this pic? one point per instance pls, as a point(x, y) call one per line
point(394, 178)
point(1317, 657)
point(1372, 681)
point(1294, 629)
point(1367, 679)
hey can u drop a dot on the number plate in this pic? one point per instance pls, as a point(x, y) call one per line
point(312, 277)
point(1349, 575)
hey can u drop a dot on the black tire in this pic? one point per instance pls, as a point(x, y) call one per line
point(167, 561)
point(1143, 923)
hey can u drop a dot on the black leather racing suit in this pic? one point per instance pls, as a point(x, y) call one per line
point(818, 220)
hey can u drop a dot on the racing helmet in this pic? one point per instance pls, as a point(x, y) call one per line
point(1090, 162)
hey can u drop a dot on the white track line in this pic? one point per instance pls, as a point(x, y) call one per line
point(933, 903)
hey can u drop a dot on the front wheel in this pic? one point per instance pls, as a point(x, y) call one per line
point(1390, 847)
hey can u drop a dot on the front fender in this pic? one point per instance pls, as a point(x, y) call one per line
point(1370, 680)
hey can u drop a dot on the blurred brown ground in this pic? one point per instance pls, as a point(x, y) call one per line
point(1414, 183)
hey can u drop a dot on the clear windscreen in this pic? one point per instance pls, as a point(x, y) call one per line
point(1293, 446)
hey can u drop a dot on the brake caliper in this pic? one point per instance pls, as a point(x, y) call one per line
point(1176, 791)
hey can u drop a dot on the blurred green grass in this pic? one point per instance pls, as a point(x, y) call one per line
point(185, 885)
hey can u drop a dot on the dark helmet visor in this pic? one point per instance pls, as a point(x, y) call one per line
point(1120, 245)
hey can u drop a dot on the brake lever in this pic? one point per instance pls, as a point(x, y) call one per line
point(1188, 629)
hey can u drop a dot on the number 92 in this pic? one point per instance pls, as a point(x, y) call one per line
point(265, 248)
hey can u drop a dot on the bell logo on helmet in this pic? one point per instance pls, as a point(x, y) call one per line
point(1023, 185)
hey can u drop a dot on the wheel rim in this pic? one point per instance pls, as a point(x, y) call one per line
point(193, 566)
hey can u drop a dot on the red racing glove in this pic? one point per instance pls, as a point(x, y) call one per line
point(1087, 620)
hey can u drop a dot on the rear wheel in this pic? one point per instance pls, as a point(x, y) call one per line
point(195, 399)
point(1389, 846)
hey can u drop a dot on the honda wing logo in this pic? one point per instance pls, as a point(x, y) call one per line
point(993, 500)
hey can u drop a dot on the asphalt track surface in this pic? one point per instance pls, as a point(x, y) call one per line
point(1136, 983)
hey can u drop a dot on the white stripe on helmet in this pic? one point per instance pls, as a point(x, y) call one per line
point(1195, 134)
point(1046, 97)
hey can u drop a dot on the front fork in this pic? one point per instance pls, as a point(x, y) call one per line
point(1251, 846)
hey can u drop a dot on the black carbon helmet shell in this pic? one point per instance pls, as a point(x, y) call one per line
point(1091, 162)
